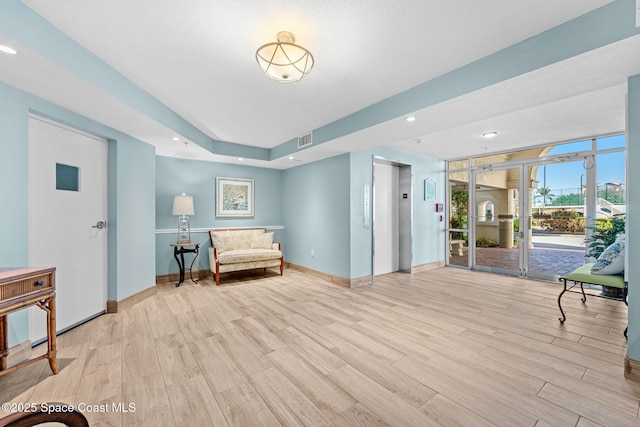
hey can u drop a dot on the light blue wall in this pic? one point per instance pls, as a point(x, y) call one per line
point(14, 110)
point(135, 215)
point(13, 193)
point(316, 215)
point(198, 179)
point(323, 211)
point(131, 217)
point(428, 231)
point(633, 216)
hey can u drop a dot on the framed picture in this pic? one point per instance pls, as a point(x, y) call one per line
point(429, 190)
point(234, 197)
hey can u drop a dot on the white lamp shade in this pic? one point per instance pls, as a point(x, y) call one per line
point(183, 205)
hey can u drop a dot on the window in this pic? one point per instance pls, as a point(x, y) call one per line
point(67, 177)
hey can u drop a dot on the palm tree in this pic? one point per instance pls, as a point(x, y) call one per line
point(545, 192)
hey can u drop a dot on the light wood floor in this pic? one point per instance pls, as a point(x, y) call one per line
point(443, 347)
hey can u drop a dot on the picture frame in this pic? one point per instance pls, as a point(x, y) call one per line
point(430, 190)
point(234, 197)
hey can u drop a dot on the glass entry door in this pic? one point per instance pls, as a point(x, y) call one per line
point(529, 220)
point(495, 215)
point(559, 205)
point(531, 213)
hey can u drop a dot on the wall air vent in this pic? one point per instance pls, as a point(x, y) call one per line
point(305, 140)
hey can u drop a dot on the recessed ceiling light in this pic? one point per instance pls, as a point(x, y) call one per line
point(291, 158)
point(489, 134)
point(240, 159)
point(7, 49)
point(175, 138)
point(410, 119)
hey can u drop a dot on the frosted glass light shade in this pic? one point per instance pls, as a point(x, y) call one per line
point(284, 60)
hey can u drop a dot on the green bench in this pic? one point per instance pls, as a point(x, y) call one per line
point(582, 275)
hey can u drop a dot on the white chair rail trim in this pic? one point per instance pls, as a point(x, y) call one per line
point(206, 230)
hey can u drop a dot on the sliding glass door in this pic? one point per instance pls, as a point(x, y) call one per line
point(529, 219)
point(458, 233)
point(557, 214)
point(496, 220)
point(531, 213)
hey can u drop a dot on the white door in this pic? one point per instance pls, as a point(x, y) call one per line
point(67, 198)
point(386, 218)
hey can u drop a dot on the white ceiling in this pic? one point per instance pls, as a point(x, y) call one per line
point(197, 57)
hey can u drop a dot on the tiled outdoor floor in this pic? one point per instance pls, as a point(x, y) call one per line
point(552, 262)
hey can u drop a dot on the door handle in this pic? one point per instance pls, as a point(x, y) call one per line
point(100, 225)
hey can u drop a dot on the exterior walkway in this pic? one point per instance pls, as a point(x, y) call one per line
point(553, 255)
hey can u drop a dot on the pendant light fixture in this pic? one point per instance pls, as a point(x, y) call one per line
point(284, 60)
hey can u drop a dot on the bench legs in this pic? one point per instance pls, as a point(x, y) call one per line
point(584, 297)
point(564, 316)
point(624, 298)
point(217, 273)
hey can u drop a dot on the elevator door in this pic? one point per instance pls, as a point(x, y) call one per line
point(386, 217)
point(392, 217)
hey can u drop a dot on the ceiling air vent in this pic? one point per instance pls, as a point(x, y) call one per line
point(305, 140)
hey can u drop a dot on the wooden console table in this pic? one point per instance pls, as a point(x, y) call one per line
point(21, 288)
